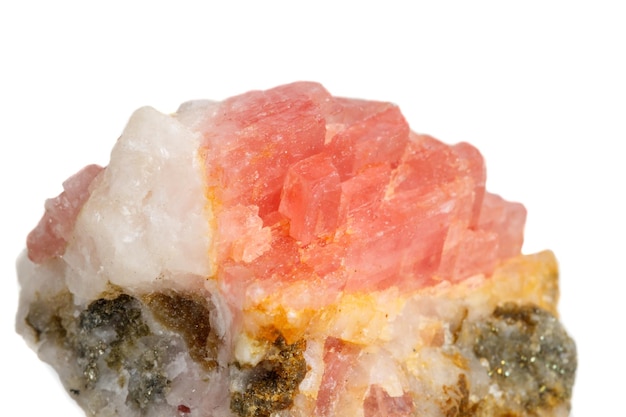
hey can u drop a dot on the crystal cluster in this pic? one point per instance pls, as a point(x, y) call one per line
point(290, 253)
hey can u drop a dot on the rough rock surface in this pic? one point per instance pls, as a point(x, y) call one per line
point(290, 253)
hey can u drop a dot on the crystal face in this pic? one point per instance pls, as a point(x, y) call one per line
point(290, 253)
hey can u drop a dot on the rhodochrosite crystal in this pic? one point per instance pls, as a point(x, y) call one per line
point(290, 253)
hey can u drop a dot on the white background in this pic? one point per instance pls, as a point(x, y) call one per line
point(539, 87)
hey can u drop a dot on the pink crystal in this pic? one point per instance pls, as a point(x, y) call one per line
point(310, 198)
point(339, 357)
point(48, 239)
point(396, 208)
point(379, 403)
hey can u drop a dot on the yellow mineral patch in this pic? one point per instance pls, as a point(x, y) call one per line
point(432, 334)
point(357, 318)
point(365, 318)
point(267, 319)
point(523, 279)
point(250, 351)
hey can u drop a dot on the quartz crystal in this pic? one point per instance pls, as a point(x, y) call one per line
point(290, 253)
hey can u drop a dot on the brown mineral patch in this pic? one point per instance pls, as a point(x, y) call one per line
point(458, 403)
point(49, 319)
point(458, 360)
point(272, 384)
point(190, 317)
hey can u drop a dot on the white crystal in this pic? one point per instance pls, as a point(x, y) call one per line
point(130, 231)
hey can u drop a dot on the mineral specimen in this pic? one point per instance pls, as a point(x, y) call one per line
point(290, 253)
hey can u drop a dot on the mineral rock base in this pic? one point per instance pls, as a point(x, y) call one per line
point(289, 253)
